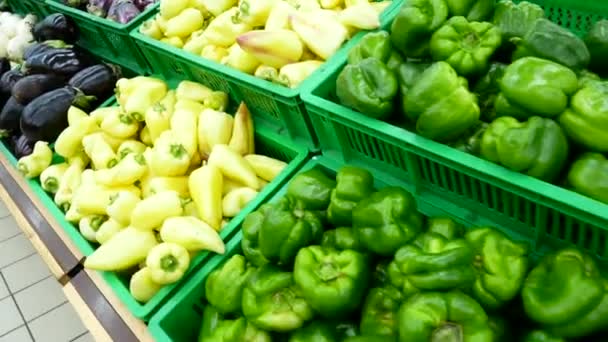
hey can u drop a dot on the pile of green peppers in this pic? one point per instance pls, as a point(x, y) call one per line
point(338, 260)
point(494, 79)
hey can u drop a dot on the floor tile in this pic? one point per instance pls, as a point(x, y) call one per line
point(61, 324)
point(17, 335)
point(25, 272)
point(84, 338)
point(3, 210)
point(39, 298)
point(14, 249)
point(3, 289)
point(8, 228)
point(9, 316)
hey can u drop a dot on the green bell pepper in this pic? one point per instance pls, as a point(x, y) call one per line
point(285, 229)
point(380, 276)
point(597, 43)
point(316, 331)
point(311, 189)
point(215, 328)
point(539, 86)
point(443, 316)
point(466, 46)
point(407, 75)
point(504, 107)
point(364, 338)
point(380, 312)
point(273, 302)
point(470, 142)
point(586, 121)
point(353, 185)
point(341, 238)
point(374, 44)
point(368, 87)
point(501, 266)
point(537, 147)
point(386, 220)
point(548, 40)
point(432, 263)
point(500, 327)
point(541, 336)
point(473, 10)
point(487, 90)
point(445, 227)
point(224, 286)
point(250, 243)
point(414, 25)
point(588, 175)
point(515, 20)
point(441, 104)
point(333, 282)
point(567, 294)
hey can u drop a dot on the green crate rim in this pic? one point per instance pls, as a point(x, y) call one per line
point(268, 86)
point(75, 12)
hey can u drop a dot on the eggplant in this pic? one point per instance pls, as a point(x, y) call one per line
point(22, 146)
point(43, 47)
point(98, 80)
point(46, 117)
point(56, 27)
point(75, 3)
point(5, 65)
point(30, 87)
point(62, 61)
point(144, 4)
point(123, 11)
point(99, 7)
point(10, 117)
point(8, 80)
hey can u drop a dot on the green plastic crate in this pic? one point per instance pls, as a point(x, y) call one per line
point(36, 7)
point(576, 15)
point(180, 318)
point(551, 212)
point(106, 38)
point(279, 106)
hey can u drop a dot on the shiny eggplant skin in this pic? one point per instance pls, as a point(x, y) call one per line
point(30, 87)
point(56, 26)
point(22, 146)
point(8, 80)
point(46, 116)
point(62, 61)
point(97, 80)
point(10, 117)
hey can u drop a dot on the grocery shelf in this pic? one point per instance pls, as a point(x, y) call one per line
point(103, 314)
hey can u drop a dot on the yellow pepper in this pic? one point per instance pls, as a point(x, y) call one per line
point(69, 183)
point(89, 225)
point(162, 24)
point(214, 53)
point(361, 16)
point(381, 6)
point(145, 137)
point(101, 153)
point(329, 4)
point(240, 60)
point(190, 105)
point(349, 3)
point(188, 90)
point(243, 134)
point(114, 142)
point(73, 216)
point(128, 171)
point(151, 29)
point(169, 157)
point(320, 31)
point(142, 287)
point(125, 249)
point(184, 24)
point(205, 184)
point(267, 73)
point(173, 41)
point(107, 230)
point(229, 185)
point(94, 199)
point(51, 177)
point(148, 91)
point(32, 165)
point(190, 208)
point(234, 166)
point(184, 125)
point(99, 114)
point(151, 212)
point(196, 43)
point(292, 75)
point(236, 200)
point(172, 8)
point(196, 161)
point(130, 146)
point(278, 18)
point(121, 207)
point(69, 142)
point(120, 125)
point(274, 48)
point(305, 5)
point(223, 30)
point(265, 167)
point(126, 86)
point(75, 114)
point(159, 184)
point(255, 12)
point(192, 234)
point(217, 7)
point(168, 262)
point(215, 128)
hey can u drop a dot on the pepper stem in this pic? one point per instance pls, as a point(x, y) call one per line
point(52, 184)
point(328, 272)
point(169, 263)
point(448, 332)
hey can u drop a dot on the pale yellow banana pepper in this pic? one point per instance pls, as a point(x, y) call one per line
point(121, 207)
point(205, 184)
point(265, 167)
point(240, 60)
point(75, 114)
point(159, 184)
point(89, 225)
point(32, 165)
point(69, 142)
point(130, 146)
point(184, 24)
point(142, 287)
point(255, 12)
point(70, 181)
point(101, 153)
point(125, 249)
point(184, 127)
point(107, 230)
point(224, 29)
point(292, 75)
point(50, 178)
point(215, 128)
point(120, 125)
point(192, 234)
point(214, 52)
point(236, 200)
point(151, 212)
point(169, 157)
point(243, 133)
point(233, 165)
point(128, 171)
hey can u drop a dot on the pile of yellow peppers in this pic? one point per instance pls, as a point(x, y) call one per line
point(154, 179)
point(282, 41)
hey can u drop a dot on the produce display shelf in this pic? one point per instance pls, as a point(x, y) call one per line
point(280, 106)
point(106, 318)
point(436, 170)
point(180, 318)
point(36, 7)
point(106, 38)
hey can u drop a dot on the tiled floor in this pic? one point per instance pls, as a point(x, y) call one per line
point(32, 304)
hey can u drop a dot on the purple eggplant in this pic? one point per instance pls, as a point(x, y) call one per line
point(144, 4)
point(123, 11)
point(22, 146)
point(75, 3)
point(99, 7)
